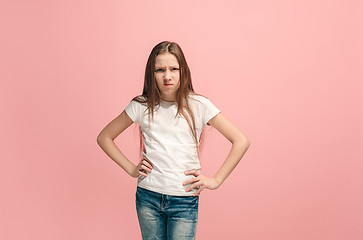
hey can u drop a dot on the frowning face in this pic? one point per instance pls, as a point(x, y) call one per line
point(167, 75)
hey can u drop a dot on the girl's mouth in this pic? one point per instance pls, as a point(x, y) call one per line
point(168, 85)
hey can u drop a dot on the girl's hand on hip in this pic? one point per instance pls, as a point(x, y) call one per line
point(142, 168)
point(200, 182)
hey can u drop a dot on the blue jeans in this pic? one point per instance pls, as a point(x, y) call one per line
point(163, 216)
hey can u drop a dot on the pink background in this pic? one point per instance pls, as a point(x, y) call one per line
point(288, 73)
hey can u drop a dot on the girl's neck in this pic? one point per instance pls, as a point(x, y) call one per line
point(168, 100)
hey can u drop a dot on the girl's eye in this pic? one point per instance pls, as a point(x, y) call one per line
point(157, 70)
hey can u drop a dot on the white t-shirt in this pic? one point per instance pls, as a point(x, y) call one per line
point(169, 143)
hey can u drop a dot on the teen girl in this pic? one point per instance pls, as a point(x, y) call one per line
point(171, 117)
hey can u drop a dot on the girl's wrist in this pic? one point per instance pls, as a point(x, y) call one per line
point(133, 172)
point(219, 181)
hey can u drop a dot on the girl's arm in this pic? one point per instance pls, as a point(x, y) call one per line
point(105, 141)
point(240, 144)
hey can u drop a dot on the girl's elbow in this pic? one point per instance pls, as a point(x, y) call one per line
point(101, 138)
point(242, 141)
point(246, 141)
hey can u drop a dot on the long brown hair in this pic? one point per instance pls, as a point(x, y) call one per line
point(151, 92)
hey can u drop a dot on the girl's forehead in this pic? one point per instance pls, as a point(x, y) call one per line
point(166, 59)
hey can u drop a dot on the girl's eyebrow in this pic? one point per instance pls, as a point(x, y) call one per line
point(170, 66)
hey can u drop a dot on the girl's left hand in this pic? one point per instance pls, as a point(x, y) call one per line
point(200, 182)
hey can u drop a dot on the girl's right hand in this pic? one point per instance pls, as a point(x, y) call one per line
point(142, 168)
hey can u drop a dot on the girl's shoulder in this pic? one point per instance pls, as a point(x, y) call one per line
point(139, 99)
point(203, 103)
point(137, 104)
point(199, 98)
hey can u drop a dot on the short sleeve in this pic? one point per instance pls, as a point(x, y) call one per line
point(133, 110)
point(210, 111)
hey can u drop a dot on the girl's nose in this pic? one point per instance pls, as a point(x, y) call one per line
point(167, 75)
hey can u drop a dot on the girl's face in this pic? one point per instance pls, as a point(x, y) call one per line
point(167, 75)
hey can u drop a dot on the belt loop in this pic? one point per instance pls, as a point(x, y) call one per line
point(162, 201)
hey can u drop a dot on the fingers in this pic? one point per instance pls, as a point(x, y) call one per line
point(190, 181)
point(197, 182)
point(196, 179)
point(142, 172)
point(145, 166)
point(198, 191)
point(147, 160)
point(193, 172)
point(196, 185)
